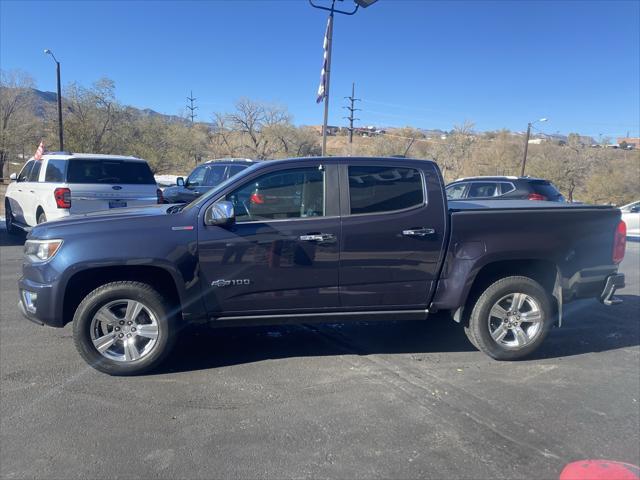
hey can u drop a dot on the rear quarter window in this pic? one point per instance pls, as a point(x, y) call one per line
point(56, 171)
point(547, 189)
point(376, 189)
point(109, 171)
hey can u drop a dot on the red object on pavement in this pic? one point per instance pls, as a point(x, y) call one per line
point(600, 470)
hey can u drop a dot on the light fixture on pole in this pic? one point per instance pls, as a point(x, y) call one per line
point(526, 144)
point(325, 77)
point(60, 130)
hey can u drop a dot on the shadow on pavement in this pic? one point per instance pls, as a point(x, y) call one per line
point(605, 328)
point(7, 240)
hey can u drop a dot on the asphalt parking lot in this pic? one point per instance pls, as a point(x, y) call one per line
point(379, 400)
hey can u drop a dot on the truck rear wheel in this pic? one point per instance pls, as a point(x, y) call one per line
point(124, 328)
point(511, 318)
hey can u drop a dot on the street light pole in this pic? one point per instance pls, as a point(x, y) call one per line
point(526, 144)
point(60, 129)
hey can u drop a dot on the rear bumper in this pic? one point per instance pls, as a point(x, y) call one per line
point(612, 283)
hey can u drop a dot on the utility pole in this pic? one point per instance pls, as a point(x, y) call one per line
point(192, 115)
point(191, 107)
point(352, 99)
point(526, 144)
point(60, 128)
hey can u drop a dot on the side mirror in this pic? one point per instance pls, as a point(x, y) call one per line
point(13, 177)
point(220, 213)
point(180, 182)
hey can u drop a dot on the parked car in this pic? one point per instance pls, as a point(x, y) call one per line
point(203, 178)
point(503, 188)
point(631, 216)
point(318, 239)
point(62, 184)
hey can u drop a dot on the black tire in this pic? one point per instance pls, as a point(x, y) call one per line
point(112, 292)
point(478, 326)
point(41, 217)
point(8, 220)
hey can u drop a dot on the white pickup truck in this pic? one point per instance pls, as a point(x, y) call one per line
point(63, 184)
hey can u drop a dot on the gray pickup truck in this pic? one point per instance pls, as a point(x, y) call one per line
point(318, 239)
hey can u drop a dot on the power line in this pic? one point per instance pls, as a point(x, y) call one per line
point(351, 107)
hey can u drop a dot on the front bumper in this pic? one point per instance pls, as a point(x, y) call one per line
point(612, 283)
point(45, 308)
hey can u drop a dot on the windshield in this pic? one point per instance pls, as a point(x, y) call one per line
point(109, 171)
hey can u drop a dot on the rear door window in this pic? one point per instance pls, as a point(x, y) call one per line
point(215, 175)
point(376, 189)
point(482, 189)
point(235, 169)
point(109, 171)
point(506, 187)
point(56, 170)
point(34, 174)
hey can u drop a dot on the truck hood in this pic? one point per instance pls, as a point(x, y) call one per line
point(142, 214)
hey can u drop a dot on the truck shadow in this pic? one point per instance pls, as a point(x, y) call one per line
point(588, 327)
point(7, 240)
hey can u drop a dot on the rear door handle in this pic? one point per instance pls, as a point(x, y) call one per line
point(318, 237)
point(418, 232)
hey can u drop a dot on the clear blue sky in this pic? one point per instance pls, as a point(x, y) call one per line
point(422, 63)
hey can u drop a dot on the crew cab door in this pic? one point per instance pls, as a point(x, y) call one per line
point(281, 253)
point(393, 233)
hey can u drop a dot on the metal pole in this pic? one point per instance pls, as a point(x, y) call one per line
point(328, 80)
point(60, 129)
point(526, 147)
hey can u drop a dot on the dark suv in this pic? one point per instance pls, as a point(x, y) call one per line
point(203, 178)
point(503, 188)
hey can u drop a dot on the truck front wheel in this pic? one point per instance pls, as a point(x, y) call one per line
point(511, 318)
point(124, 328)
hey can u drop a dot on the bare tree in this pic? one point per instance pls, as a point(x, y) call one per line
point(16, 122)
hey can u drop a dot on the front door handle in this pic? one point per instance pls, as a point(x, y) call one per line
point(318, 237)
point(418, 232)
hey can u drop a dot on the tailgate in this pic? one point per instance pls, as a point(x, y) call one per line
point(87, 198)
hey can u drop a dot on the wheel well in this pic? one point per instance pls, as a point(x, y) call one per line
point(39, 210)
point(85, 281)
point(543, 272)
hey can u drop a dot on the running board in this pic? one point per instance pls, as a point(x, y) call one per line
point(325, 317)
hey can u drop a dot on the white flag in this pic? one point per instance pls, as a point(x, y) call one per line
point(322, 89)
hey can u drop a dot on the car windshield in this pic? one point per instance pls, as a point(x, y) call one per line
point(109, 171)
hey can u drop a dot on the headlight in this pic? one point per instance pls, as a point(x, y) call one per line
point(41, 250)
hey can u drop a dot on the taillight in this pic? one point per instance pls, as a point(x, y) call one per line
point(619, 242)
point(160, 196)
point(63, 197)
point(536, 196)
point(257, 198)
